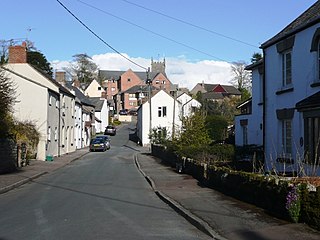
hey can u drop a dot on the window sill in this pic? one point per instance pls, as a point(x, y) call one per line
point(285, 90)
point(315, 84)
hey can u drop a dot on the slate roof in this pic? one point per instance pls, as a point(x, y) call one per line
point(115, 75)
point(309, 102)
point(308, 18)
point(139, 88)
point(98, 103)
point(229, 89)
point(83, 98)
point(212, 95)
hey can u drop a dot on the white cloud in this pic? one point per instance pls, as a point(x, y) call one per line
point(179, 70)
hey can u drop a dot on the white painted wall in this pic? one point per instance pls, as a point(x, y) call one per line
point(29, 83)
point(93, 89)
point(160, 99)
point(304, 73)
point(255, 119)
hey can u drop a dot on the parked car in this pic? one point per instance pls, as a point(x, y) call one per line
point(110, 130)
point(133, 112)
point(106, 139)
point(97, 144)
point(123, 112)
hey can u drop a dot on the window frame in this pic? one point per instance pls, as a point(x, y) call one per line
point(286, 137)
point(287, 68)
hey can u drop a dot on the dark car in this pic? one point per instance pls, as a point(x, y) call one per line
point(110, 130)
point(97, 144)
point(123, 112)
point(106, 139)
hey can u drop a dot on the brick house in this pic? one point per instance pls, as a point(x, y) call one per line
point(117, 84)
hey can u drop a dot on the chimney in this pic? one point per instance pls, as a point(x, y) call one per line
point(61, 77)
point(18, 54)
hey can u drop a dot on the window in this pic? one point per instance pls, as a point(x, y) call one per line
point(56, 134)
point(312, 140)
point(286, 68)
point(129, 80)
point(157, 81)
point(286, 137)
point(57, 103)
point(245, 135)
point(113, 89)
point(162, 111)
point(99, 88)
point(50, 100)
point(163, 82)
point(49, 134)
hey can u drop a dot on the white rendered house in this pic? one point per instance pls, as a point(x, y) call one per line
point(249, 123)
point(292, 96)
point(165, 113)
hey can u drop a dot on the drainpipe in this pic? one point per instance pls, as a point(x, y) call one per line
point(59, 126)
point(264, 104)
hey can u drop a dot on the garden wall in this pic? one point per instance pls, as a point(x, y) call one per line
point(267, 192)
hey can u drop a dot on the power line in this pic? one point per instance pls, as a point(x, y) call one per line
point(190, 24)
point(97, 36)
point(150, 31)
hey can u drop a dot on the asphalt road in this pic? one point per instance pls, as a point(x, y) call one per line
point(100, 196)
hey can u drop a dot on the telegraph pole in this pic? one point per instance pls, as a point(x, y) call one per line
point(149, 82)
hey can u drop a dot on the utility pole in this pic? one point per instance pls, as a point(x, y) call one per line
point(149, 82)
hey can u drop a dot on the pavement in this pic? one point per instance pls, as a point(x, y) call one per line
point(217, 215)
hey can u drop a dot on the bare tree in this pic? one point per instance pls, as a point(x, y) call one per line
point(241, 77)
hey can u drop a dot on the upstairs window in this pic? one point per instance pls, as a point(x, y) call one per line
point(99, 88)
point(162, 111)
point(286, 68)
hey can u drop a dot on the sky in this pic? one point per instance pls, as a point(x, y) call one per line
point(199, 39)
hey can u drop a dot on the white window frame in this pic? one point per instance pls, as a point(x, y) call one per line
point(287, 68)
point(286, 133)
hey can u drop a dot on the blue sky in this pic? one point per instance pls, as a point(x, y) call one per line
point(135, 31)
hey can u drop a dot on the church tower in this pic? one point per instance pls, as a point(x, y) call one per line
point(158, 67)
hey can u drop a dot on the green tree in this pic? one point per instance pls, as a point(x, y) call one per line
point(256, 57)
point(194, 135)
point(7, 100)
point(216, 126)
point(84, 68)
point(38, 60)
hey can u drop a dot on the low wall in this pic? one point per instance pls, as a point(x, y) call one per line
point(8, 156)
point(267, 192)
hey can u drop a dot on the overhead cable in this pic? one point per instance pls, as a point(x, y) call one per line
point(97, 36)
point(190, 24)
point(150, 31)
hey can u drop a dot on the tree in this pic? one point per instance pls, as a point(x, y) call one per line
point(38, 60)
point(84, 68)
point(194, 132)
point(7, 100)
point(217, 126)
point(256, 57)
point(241, 77)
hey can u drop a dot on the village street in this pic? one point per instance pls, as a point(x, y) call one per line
point(103, 195)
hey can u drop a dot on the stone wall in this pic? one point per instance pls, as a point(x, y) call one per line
point(8, 155)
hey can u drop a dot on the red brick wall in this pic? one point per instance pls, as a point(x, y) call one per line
point(161, 82)
point(109, 84)
point(125, 84)
point(18, 54)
